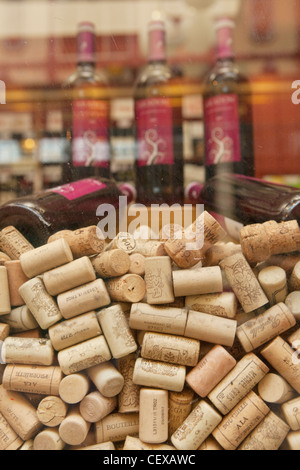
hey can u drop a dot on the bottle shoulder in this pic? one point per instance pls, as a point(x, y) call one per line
point(225, 77)
point(86, 77)
point(153, 74)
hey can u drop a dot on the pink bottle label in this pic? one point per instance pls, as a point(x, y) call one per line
point(155, 132)
point(222, 129)
point(90, 133)
point(78, 189)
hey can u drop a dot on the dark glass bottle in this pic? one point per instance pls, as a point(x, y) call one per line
point(227, 104)
point(158, 127)
point(86, 113)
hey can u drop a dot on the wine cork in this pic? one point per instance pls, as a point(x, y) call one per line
point(219, 251)
point(41, 304)
point(83, 355)
point(4, 331)
point(238, 383)
point(35, 333)
point(211, 329)
point(73, 388)
point(35, 351)
point(197, 427)
point(127, 288)
point(42, 380)
point(291, 413)
point(223, 304)
point(276, 320)
point(137, 264)
point(275, 389)
point(48, 439)
point(212, 368)
point(95, 406)
point(129, 396)
point(74, 429)
point(45, 257)
point(159, 375)
point(123, 241)
point(13, 243)
point(158, 278)
point(134, 443)
point(260, 241)
point(273, 280)
point(112, 263)
point(76, 330)
point(20, 319)
point(293, 440)
point(150, 248)
point(3, 257)
point(292, 302)
point(294, 281)
point(194, 282)
point(210, 444)
point(28, 445)
point(107, 379)
point(180, 406)
point(115, 328)
point(85, 241)
point(268, 435)
point(83, 299)
point(20, 413)
point(5, 305)
point(240, 421)
point(153, 427)
point(16, 278)
point(243, 282)
point(9, 439)
point(170, 348)
point(51, 411)
point(102, 446)
point(161, 319)
point(116, 426)
point(284, 360)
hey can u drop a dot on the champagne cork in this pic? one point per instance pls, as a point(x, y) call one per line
point(275, 389)
point(293, 440)
point(170, 348)
point(238, 383)
point(13, 243)
point(112, 263)
point(45, 257)
point(260, 241)
point(268, 435)
point(3, 257)
point(51, 411)
point(219, 251)
point(291, 413)
point(20, 319)
point(123, 241)
point(243, 282)
point(212, 368)
point(134, 443)
point(284, 360)
point(273, 280)
point(86, 241)
point(129, 396)
point(5, 305)
point(41, 304)
point(73, 388)
point(161, 319)
point(116, 426)
point(16, 278)
point(159, 375)
point(9, 439)
point(239, 422)
point(20, 413)
point(210, 444)
point(254, 333)
point(35, 351)
point(95, 406)
point(4, 331)
point(150, 248)
point(292, 302)
point(194, 282)
point(211, 329)
point(153, 416)
point(115, 328)
point(137, 264)
point(196, 427)
point(76, 330)
point(158, 278)
point(107, 379)
point(188, 250)
point(294, 281)
point(83, 299)
point(180, 406)
point(42, 380)
point(83, 355)
point(223, 304)
point(127, 288)
point(74, 429)
point(48, 439)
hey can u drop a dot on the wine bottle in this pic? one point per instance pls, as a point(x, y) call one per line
point(67, 207)
point(228, 124)
point(86, 113)
point(158, 126)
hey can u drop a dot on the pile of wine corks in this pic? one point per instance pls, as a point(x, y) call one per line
point(186, 342)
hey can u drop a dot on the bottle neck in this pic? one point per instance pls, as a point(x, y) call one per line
point(224, 44)
point(86, 50)
point(157, 45)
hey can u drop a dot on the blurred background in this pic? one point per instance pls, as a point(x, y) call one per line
point(38, 53)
